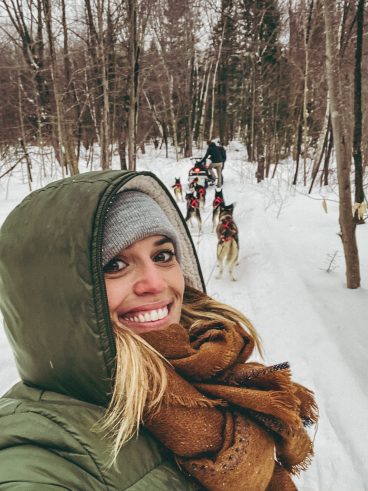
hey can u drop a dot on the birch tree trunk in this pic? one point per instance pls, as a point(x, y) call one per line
point(307, 31)
point(204, 100)
point(155, 118)
point(172, 114)
point(214, 83)
point(343, 158)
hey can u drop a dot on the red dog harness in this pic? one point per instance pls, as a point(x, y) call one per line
point(217, 202)
point(194, 203)
point(201, 192)
point(227, 227)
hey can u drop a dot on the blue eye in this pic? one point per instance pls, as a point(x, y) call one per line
point(114, 266)
point(164, 256)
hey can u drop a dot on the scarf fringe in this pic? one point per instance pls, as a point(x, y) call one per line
point(283, 406)
point(273, 377)
point(257, 372)
point(308, 405)
point(296, 469)
point(189, 402)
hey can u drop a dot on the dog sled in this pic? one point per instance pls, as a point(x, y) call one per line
point(199, 174)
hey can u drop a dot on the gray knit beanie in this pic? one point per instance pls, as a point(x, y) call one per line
point(134, 216)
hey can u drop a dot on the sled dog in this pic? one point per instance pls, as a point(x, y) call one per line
point(227, 241)
point(178, 190)
point(217, 202)
point(193, 210)
point(200, 192)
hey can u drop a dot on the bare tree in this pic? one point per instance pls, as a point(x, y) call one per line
point(133, 56)
point(357, 143)
point(64, 145)
point(342, 153)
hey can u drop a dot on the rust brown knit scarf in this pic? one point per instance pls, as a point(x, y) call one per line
point(226, 419)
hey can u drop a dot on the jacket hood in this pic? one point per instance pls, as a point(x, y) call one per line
point(52, 291)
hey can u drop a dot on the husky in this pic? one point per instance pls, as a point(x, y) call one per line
point(193, 210)
point(227, 241)
point(200, 192)
point(217, 202)
point(178, 190)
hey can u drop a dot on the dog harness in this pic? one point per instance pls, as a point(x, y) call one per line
point(201, 192)
point(194, 202)
point(229, 229)
point(217, 202)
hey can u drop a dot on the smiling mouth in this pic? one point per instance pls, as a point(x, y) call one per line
point(147, 316)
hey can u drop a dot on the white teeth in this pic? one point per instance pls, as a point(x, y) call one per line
point(151, 316)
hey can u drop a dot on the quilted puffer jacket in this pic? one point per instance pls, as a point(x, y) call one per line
point(53, 300)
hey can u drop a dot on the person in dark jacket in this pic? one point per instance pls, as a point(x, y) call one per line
point(94, 306)
point(214, 154)
point(223, 153)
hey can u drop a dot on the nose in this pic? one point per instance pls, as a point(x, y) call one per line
point(149, 279)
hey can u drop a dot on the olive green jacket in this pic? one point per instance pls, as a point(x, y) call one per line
point(53, 300)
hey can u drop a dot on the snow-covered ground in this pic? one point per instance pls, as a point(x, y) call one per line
point(291, 284)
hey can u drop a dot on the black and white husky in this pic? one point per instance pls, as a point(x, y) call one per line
point(200, 192)
point(217, 202)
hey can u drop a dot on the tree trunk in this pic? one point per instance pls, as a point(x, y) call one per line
point(204, 101)
point(23, 136)
point(343, 159)
point(298, 145)
point(132, 116)
point(252, 144)
point(64, 147)
point(326, 165)
point(71, 111)
point(307, 31)
point(322, 145)
point(104, 123)
point(214, 83)
point(170, 85)
point(357, 143)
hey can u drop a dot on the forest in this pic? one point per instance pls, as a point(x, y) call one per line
point(285, 77)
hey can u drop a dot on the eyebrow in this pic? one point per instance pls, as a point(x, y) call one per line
point(162, 241)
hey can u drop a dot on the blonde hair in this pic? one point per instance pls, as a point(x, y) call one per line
point(140, 384)
point(141, 378)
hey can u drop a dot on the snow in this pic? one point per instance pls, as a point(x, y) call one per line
point(303, 312)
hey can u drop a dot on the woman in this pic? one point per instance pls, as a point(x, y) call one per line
point(104, 306)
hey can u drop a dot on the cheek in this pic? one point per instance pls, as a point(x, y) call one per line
point(115, 293)
point(178, 285)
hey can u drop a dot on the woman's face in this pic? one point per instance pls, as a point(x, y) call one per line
point(145, 285)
